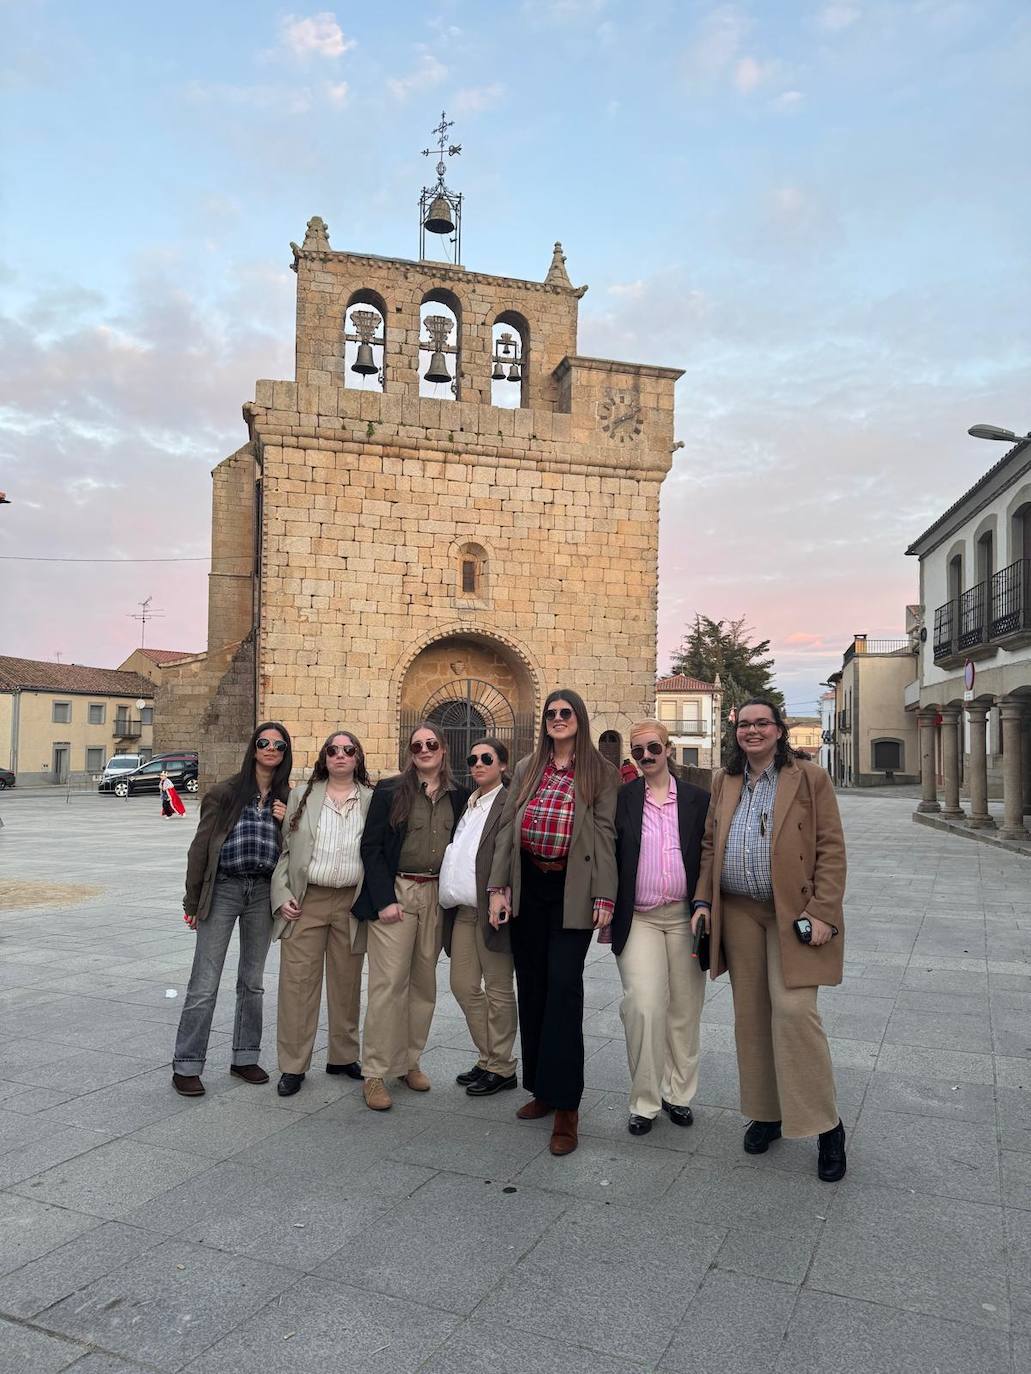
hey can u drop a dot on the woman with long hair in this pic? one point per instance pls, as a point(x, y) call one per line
point(411, 822)
point(554, 876)
point(770, 889)
point(228, 880)
point(480, 954)
point(314, 886)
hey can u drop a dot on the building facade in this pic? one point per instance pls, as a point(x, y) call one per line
point(690, 709)
point(63, 721)
point(875, 740)
point(805, 735)
point(827, 723)
point(409, 534)
point(973, 700)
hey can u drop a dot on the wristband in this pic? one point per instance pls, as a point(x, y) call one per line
point(697, 906)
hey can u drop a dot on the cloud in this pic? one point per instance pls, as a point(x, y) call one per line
point(716, 41)
point(427, 73)
point(750, 74)
point(837, 16)
point(787, 101)
point(800, 637)
point(476, 99)
point(337, 93)
point(317, 36)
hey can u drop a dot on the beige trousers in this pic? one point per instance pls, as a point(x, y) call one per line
point(663, 992)
point(402, 982)
point(482, 981)
point(321, 936)
point(783, 1059)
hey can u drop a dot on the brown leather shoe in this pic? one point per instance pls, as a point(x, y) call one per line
point(564, 1139)
point(250, 1073)
point(374, 1090)
point(417, 1081)
point(187, 1085)
point(533, 1110)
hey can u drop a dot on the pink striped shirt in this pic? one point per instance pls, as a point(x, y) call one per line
point(661, 877)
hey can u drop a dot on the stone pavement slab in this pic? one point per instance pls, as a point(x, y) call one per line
point(140, 1231)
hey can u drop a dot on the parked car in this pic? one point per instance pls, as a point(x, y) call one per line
point(6, 778)
point(181, 768)
point(118, 766)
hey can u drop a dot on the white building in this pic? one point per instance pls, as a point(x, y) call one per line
point(827, 732)
point(973, 694)
point(690, 709)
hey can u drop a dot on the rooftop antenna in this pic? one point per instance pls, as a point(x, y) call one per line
point(143, 615)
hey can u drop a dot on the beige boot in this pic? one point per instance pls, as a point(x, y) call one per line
point(374, 1090)
point(417, 1081)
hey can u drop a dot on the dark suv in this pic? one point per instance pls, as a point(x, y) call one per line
point(181, 769)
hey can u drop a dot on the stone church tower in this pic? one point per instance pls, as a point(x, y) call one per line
point(448, 513)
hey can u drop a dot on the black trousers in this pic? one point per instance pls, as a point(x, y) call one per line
point(549, 969)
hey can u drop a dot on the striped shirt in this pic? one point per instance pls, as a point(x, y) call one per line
point(746, 859)
point(251, 848)
point(661, 876)
point(547, 829)
point(335, 859)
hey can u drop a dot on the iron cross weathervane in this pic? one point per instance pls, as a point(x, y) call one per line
point(442, 147)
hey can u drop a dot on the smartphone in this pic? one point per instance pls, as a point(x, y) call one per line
point(700, 937)
point(804, 929)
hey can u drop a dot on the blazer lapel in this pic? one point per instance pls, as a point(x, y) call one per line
point(686, 804)
point(313, 808)
point(730, 795)
point(787, 788)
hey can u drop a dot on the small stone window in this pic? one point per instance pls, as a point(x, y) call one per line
point(471, 574)
point(887, 756)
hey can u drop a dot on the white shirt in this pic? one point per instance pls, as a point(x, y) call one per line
point(336, 859)
point(458, 869)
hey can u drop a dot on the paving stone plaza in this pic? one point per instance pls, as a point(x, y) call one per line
point(244, 1232)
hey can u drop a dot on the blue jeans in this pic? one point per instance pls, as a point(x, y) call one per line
point(248, 901)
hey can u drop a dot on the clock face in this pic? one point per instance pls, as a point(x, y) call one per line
point(620, 415)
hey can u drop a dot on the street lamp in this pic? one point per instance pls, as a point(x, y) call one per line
point(994, 432)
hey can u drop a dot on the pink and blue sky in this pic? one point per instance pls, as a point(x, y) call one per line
point(819, 210)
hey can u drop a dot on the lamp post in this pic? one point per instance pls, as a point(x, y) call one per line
point(1005, 436)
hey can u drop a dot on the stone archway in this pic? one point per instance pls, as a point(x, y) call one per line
point(610, 746)
point(469, 687)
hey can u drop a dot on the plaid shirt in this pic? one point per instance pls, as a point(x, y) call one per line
point(252, 847)
point(547, 829)
point(746, 859)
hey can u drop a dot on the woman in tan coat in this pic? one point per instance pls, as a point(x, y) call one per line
point(771, 887)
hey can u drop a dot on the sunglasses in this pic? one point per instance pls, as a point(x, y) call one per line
point(276, 744)
point(558, 713)
point(430, 745)
point(332, 750)
point(474, 759)
point(637, 751)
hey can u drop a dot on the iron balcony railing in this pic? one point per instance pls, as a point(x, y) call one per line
point(877, 646)
point(1010, 609)
point(689, 725)
point(124, 728)
point(973, 620)
point(944, 630)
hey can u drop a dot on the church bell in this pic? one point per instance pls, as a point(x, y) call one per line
point(440, 219)
point(498, 375)
point(363, 363)
point(437, 370)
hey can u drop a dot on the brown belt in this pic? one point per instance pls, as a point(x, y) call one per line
point(547, 865)
point(420, 877)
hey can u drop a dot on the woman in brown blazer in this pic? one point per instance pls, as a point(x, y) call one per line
point(554, 874)
point(771, 888)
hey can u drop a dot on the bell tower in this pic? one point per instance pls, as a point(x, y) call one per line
point(456, 512)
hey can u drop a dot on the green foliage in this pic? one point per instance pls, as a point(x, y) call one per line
point(719, 646)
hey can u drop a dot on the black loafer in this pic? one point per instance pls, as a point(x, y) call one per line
point(760, 1135)
point(353, 1070)
point(473, 1075)
point(680, 1116)
point(832, 1154)
point(289, 1083)
point(639, 1125)
point(489, 1083)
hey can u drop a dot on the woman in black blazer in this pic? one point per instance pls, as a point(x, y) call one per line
point(411, 822)
point(660, 821)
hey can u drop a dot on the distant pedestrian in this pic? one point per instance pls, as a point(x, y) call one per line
point(480, 953)
point(771, 888)
point(171, 804)
point(411, 822)
point(554, 874)
point(228, 877)
point(627, 772)
point(318, 876)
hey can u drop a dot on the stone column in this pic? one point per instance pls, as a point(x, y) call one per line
point(1026, 753)
point(950, 760)
point(977, 715)
point(1011, 711)
point(928, 781)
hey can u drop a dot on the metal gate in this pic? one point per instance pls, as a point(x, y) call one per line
point(465, 710)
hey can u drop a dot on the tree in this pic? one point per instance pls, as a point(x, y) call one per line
point(719, 646)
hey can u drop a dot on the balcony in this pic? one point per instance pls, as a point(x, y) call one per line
point(993, 615)
point(124, 728)
point(861, 646)
point(844, 727)
point(690, 726)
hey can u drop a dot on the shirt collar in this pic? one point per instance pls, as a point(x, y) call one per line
point(769, 772)
point(476, 802)
point(671, 795)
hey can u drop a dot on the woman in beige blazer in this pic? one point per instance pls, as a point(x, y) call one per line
point(771, 888)
point(314, 887)
point(554, 874)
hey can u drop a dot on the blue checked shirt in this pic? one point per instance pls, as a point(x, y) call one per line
point(252, 846)
point(746, 859)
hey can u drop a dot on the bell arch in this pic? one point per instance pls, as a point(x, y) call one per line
point(510, 361)
point(440, 345)
point(365, 341)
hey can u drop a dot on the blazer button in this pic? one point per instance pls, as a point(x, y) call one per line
point(587, 858)
point(800, 825)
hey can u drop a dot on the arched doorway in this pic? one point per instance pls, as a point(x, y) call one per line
point(466, 709)
point(610, 746)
